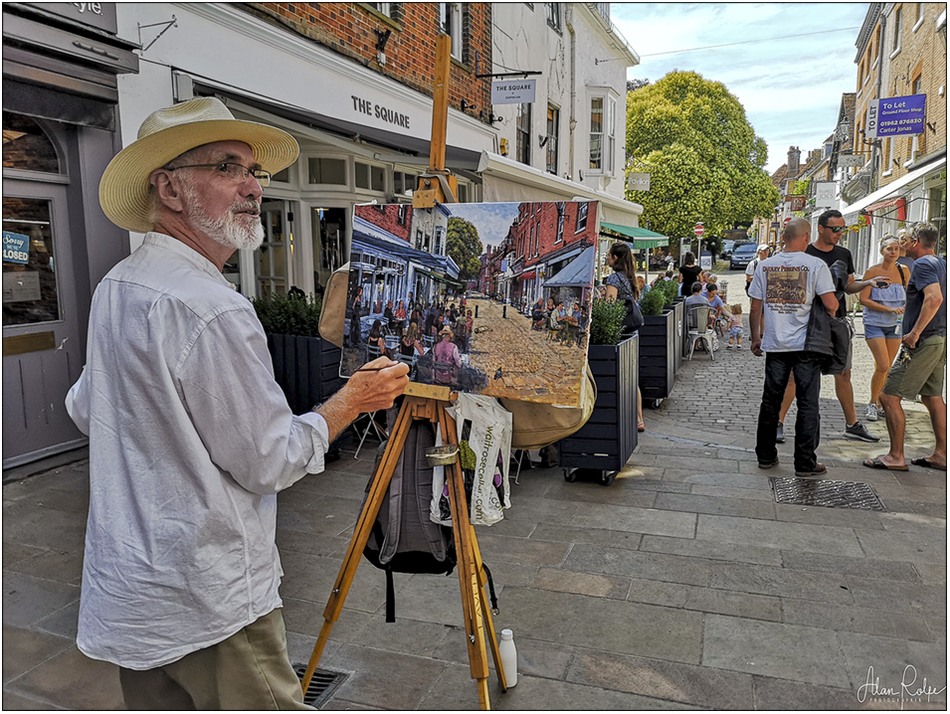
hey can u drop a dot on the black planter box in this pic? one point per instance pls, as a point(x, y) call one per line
point(657, 358)
point(608, 439)
point(306, 368)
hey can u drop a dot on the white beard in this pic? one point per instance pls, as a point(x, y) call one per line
point(226, 230)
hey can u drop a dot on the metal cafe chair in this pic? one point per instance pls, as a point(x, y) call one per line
point(697, 328)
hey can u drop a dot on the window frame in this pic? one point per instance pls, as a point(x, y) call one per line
point(608, 131)
point(552, 15)
point(898, 31)
point(449, 11)
point(551, 156)
point(523, 134)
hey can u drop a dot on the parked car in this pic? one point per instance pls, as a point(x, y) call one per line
point(742, 255)
point(727, 248)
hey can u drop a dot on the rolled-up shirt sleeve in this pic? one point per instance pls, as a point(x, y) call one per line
point(240, 413)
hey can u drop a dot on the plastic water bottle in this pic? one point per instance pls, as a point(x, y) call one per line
point(509, 657)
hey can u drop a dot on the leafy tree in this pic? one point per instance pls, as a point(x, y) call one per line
point(464, 247)
point(705, 161)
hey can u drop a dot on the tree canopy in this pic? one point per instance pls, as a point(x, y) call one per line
point(464, 247)
point(705, 162)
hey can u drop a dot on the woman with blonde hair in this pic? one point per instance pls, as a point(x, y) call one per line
point(883, 309)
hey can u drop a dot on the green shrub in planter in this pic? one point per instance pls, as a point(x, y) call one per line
point(606, 321)
point(654, 300)
point(670, 290)
point(289, 315)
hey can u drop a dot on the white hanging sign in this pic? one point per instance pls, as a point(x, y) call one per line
point(515, 91)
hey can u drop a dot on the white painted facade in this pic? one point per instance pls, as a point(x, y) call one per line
point(580, 59)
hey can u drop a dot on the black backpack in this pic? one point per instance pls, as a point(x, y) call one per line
point(633, 318)
point(403, 538)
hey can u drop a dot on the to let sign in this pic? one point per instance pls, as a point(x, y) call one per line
point(520, 91)
point(896, 116)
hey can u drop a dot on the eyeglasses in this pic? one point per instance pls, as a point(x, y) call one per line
point(835, 229)
point(235, 172)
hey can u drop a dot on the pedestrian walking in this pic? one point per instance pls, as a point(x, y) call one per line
point(621, 284)
point(883, 309)
point(689, 274)
point(782, 292)
point(190, 437)
point(761, 254)
point(830, 227)
point(922, 359)
point(735, 326)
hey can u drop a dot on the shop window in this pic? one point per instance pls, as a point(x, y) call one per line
point(370, 177)
point(523, 129)
point(451, 20)
point(327, 171)
point(550, 141)
point(283, 176)
point(403, 183)
point(26, 146)
point(30, 294)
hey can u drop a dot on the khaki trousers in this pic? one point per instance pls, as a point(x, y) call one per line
point(249, 670)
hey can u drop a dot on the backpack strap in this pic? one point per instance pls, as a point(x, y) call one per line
point(390, 596)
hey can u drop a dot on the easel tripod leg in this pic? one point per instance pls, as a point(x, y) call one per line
point(364, 525)
point(472, 602)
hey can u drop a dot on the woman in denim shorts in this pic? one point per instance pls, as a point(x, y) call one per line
point(883, 308)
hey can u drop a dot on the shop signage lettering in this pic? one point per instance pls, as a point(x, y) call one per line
point(371, 109)
point(16, 248)
point(638, 182)
point(896, 116)
point(94, 14)
point(521, 91)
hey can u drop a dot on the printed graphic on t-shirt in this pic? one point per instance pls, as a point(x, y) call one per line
point(785, 287)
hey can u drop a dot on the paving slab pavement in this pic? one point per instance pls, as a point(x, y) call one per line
point(682, 585)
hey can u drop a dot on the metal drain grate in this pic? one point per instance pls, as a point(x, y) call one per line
point(830, 494)
point(323, 684)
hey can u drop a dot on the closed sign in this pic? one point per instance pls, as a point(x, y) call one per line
point(16, 248)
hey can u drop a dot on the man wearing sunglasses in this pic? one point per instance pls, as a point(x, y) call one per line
point(831, 225)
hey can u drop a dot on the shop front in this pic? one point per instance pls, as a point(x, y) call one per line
point(364, 137)
point(919, 195)
point(60, 68)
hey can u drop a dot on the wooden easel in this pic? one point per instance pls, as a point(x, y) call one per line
point(427, 402)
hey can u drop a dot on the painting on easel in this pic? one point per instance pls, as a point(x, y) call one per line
point(490, 298)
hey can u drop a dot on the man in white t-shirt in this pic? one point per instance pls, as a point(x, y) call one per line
point(786, 286)
point(761, 254)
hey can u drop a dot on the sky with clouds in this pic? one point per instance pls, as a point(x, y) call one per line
point(492, 220)
point(790, 82)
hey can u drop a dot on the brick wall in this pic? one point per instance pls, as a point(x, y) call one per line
point(536, 234)
point(350, 29)
point(922, 54)
point(395, 218)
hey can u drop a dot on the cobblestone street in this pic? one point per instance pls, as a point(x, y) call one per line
point(532, 365)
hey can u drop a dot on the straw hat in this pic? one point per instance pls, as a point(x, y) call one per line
point(170, 132)
point(446, 331)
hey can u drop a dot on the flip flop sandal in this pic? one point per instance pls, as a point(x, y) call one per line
point(927, 464)
point(878, 464)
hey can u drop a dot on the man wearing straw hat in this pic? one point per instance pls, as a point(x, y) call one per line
point(190, 437)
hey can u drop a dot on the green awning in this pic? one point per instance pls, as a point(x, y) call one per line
point(641, 237)
point(440, 278)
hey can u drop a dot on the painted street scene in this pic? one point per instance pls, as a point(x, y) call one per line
point(511, 321)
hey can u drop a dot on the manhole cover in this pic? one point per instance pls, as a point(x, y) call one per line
point(323, 684)
point(830, 494)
